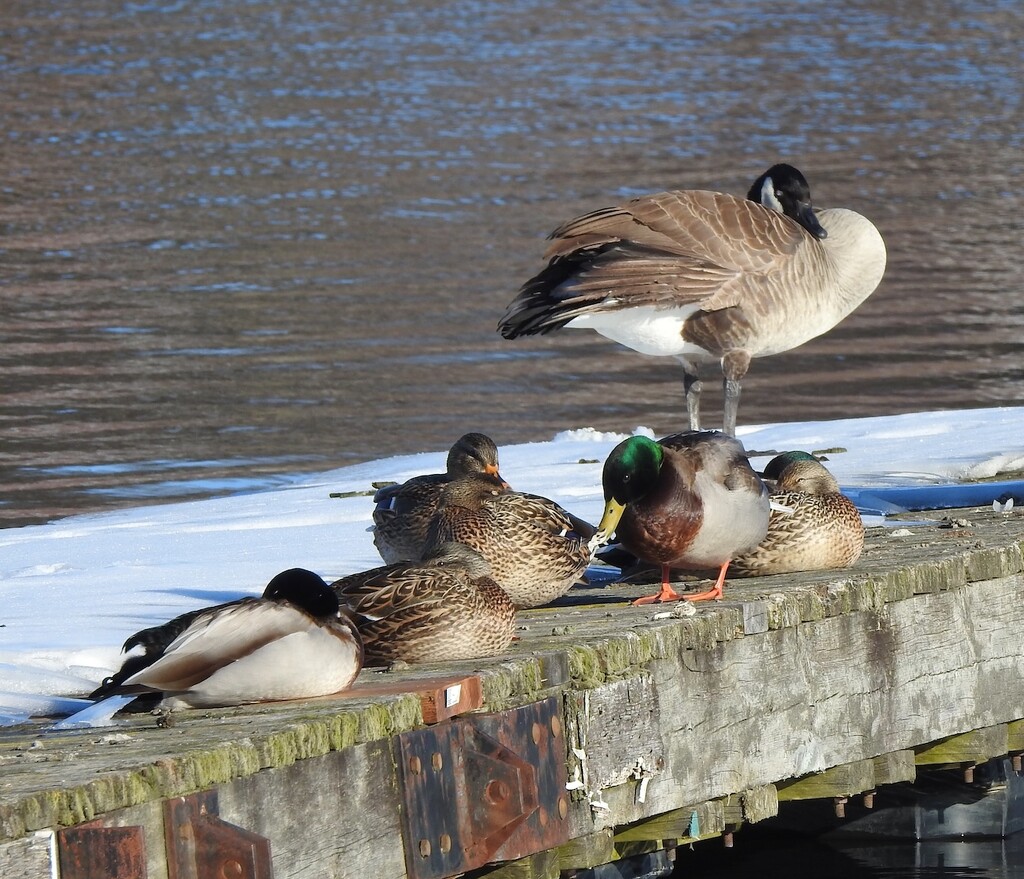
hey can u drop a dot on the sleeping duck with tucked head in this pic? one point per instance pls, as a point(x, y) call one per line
point(443, 608)
point(292, 643)
point(813, 525)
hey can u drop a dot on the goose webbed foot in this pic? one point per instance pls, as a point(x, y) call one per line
point(692, 386)
point(734, 366)
point(731, 406)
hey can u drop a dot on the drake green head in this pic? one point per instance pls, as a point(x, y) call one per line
point(630, 473)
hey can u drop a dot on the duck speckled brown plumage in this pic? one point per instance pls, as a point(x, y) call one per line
point(823, 529)
point(403, 512)
point(705, 277)
point(442, 608)
point(690, 500)
point(536, 550)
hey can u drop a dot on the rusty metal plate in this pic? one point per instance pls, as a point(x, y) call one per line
point(202, 846)
point(225, 851)
point(535, 734)
point(432, 825)
point(483, 788)
point(91, 851)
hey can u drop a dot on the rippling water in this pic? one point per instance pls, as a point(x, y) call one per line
point(245, 240)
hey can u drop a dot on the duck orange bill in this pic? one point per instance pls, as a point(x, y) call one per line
point(493, 471)
point(613, 511)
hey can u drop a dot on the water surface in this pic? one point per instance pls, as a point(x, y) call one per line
point(245, 240)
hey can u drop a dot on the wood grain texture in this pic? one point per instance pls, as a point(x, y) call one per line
point(801, 699)
point(337, 816)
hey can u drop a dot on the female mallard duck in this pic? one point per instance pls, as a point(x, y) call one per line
point(293, 643)
point(536, 550)
point(690, 500)
point(403, 512)
point(705, 277)
point(444, 607)
point(813, 525)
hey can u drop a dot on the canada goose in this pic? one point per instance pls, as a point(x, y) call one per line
point(293, 643)
point(403, 512)
point(443, 608)
point(705, 277)
point(690, 500)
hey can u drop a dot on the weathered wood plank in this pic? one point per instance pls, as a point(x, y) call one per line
point(327, 814)
point(1015, 736)
point(613, 733)
point(587, 851)
point(972, 747)
point(543, 865)
point(895, 767)
point(727, 725)
point(31, 857)
point(685, 825)
point(839, 781)
point(759, 803)
point(634, 848)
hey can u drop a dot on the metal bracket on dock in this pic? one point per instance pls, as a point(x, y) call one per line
point(202, 846)
point(483, 788)
point(92, 851)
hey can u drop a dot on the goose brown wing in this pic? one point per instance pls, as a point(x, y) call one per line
point(672, 249)
point(711, 228)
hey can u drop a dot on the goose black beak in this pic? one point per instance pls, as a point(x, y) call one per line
point(807, 219)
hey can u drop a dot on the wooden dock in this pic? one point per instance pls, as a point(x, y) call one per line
point(605, 732)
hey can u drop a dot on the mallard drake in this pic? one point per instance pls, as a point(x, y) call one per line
point(690, 500)
point(292, 643)
point(536, 550)
point(705, 277)
point(442, 608)
point(813, 525)
point(403, 512)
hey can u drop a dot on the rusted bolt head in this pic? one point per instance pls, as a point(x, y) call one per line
point(542, 816)
point(537, 733)
point(445, 843)
point(231, 869)
point(437, 761)
point(556, 727)
point(414, 765)
point(424, 848)
point(496, 791)
point(563, 807)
